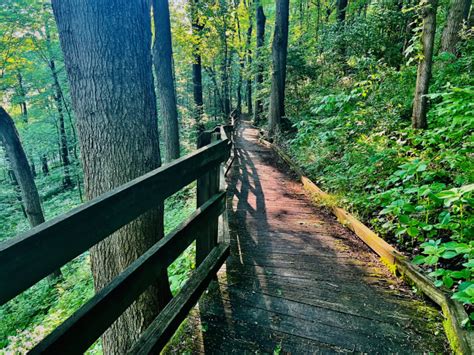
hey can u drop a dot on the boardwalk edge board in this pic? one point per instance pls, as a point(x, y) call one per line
point(461, 340)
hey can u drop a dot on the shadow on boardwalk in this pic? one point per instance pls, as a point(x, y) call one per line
point(297, 281)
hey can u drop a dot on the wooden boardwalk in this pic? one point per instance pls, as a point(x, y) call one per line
point(297, 281)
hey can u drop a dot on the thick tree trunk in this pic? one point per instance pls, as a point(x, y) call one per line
point(261, 19)
point(23, 176)
point(420, 102)
point(163, 62)
point(279, 54)
point(458, 12)
point(197, 67)
point(107, 52)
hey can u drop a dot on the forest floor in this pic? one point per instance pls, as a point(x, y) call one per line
point(297, 281)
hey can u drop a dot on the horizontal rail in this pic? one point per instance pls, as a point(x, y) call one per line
point(30, 257)
point(163, 327)
point(85, 326)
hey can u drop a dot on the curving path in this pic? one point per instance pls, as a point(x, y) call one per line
point(297, 281)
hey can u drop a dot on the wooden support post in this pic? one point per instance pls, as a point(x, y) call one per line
point(207, 186)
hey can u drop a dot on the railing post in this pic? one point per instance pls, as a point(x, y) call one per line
point(207, 186)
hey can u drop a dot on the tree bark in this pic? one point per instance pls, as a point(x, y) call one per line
point(197, 27)
point(458, 12)
point(261, 19)
point(23, 176)
point(163, 62)
point(279, 54)
point(107, 52)
point(420, 102)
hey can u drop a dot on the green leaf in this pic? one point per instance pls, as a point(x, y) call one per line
point(413, 231)
point(438, 283)
point(431, 260)
point(449, 254)
point(461, 274)
point(448, 281)
point(446, 219)
point(421, 167)
point(419, 259)
point(404, 219)
point(438, 272)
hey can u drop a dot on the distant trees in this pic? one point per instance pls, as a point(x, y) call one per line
point(196, 26)
point(59, 102)
point(341, 10)
point(163, 63)
point(107, 52)
point(420, 102)
point(19, 162)
point(279, 56)
point(260, 19)
point(458, 12)
point(24, 176)
point(249, 65)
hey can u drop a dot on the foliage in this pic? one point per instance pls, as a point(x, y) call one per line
point(354, 137)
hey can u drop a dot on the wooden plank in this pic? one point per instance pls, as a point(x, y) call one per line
point(80, 331)
point(23, 258)
point(164, 326)
point(460, 339)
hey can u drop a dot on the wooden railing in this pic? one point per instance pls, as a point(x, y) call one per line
point(30, 257)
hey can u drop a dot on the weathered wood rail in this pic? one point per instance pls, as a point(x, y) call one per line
point(32, 256)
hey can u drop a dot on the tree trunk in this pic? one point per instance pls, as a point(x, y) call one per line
point(341, 19)
point(107, 52)
point(22, 94)
point(420, 102)
point(458, 12)
point(239, 86)
point(21, 169)
point(249, 65)
point(16, 155)
point(197, 67)
point(58, 99)
point(225, 60)
point(279, 54)
point(44, 165)
point(163, 62)
point(241, 69)
point(341, 10)
point(32, 166)
point(261, 19)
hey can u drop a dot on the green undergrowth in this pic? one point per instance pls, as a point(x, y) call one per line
point(29, 317)
point(352, 136)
